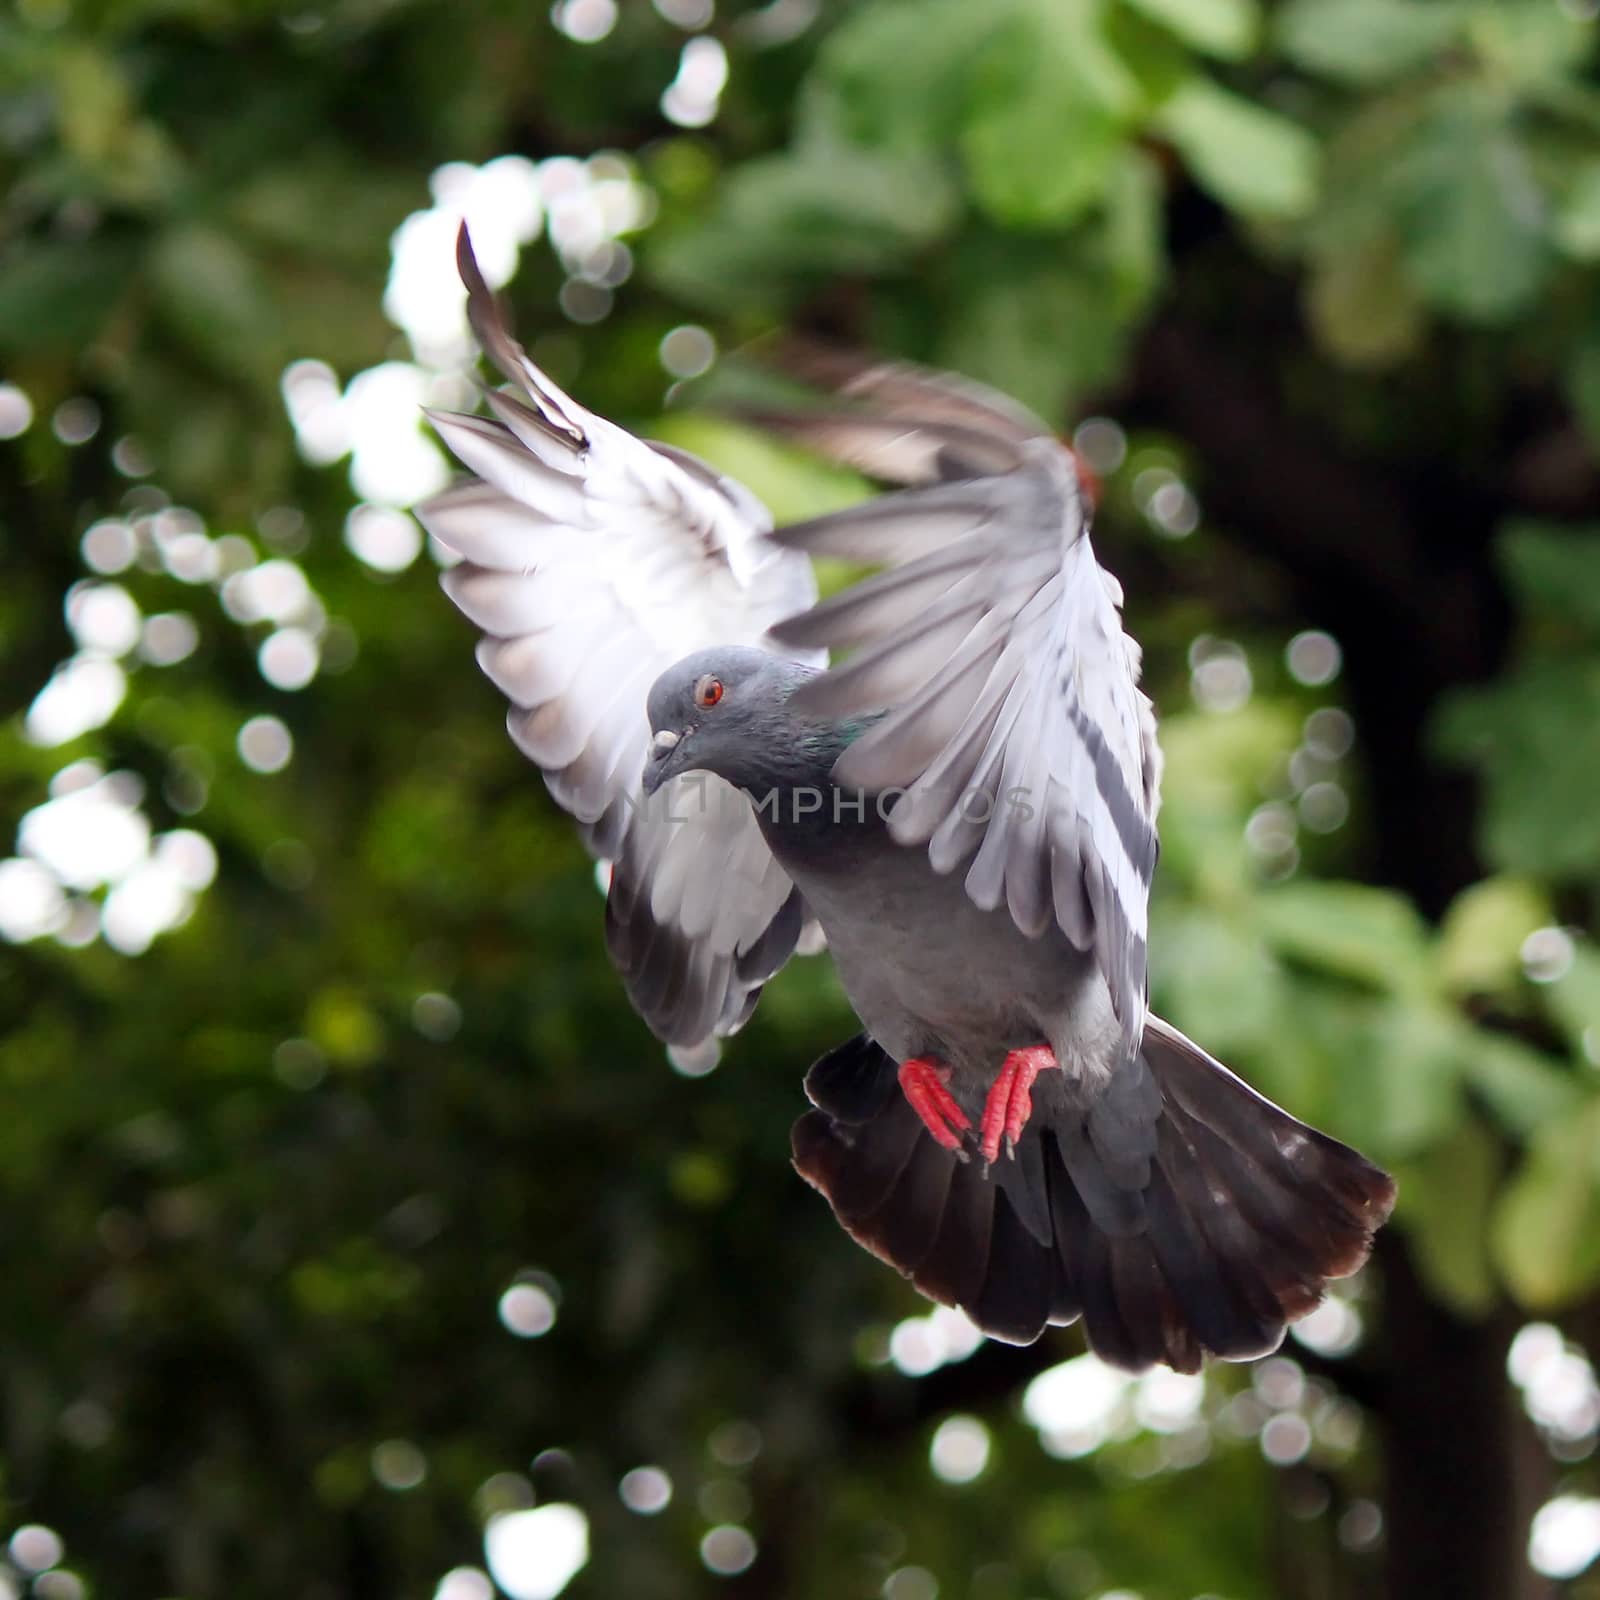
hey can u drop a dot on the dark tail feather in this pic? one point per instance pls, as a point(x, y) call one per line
point(1186, 1214)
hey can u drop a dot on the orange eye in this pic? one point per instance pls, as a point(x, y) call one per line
point(708, 691)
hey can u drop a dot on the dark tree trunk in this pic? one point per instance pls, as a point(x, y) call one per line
point(1464, 1470)
point(1402, 574)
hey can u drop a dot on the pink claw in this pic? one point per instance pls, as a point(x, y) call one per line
point(1010, 1102)
point(922, 1081)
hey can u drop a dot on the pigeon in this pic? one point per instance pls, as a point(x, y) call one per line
point(961, 806)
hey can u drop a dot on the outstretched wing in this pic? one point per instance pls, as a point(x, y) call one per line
point(593, 561)
point(992, 639)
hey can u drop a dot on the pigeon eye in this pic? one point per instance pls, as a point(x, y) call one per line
point(708, 691)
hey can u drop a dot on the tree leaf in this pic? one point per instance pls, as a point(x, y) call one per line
point(1225, 28)
point(60, 293)
point(823, 208)
point(1220, 983)
point(1397, 1080)
point(1047, 107)
point(1034, 324)
point(900, 69)
point(1545, 1235)
point(1527, 44)
point(1366, 42)
point(1001, 147)
point(215, 297)
point(1536, 733)
point(1373, 936)
point(1360, 305)
point(1536, 738)
point(1446, 1196)
point(1214, 773)
point(1552, 568)
point(1252, 160)
point(1480, 939)
point(1076, 33)
point(288, 206)
point(1577, 228)
point(1523, 1087)
point(1573, 1002)
point(1471, 216)
point(1130, 240)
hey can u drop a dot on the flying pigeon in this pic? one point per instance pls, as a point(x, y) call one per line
point(965, 808)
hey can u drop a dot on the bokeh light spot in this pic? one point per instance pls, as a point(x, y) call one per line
point(646, 1490)
point(692, 98)
point(385, 539)
point(130, 457)
point(735, 1444)
point(31, 901)
point(288, 658)
point(1330, 733)
point(436, 1016)
point(189, 856)
point(399, 1465)
point(1361, 1526)
point(299, 1064)
point(585, 21)
point(1074, 1404)
point(1220, 678)
point(583, 302)
point(1314, 658)
point(960, 1449)
point(35, 1548)
point(687, 351)
point(265, 744)
point(76, 421)
point(1333, 1329)
point(1565, 1538)
point(1324, 807)
point(82, 693)
point(1167, 1402)
point(911, 1583)
point(16, 411)
point(694, 1061)
point(534, 1555)
point(687, 14)
point(169, 637)
point(728, 1550)
point(527, 1311)
point(103, 618)
point(88, 834)
point(1101, 443)
point(465, 1583)
point(1547, 954)
point(1285, 1438)
point(109, 546)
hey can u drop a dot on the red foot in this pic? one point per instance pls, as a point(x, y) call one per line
point(922, 1081)
point(1010, 1102)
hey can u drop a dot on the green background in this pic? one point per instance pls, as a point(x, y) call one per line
point(1331, 265)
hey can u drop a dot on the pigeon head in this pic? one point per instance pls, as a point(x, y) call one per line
point(716, 711)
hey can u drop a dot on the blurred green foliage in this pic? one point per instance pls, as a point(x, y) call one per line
point(265, 1184)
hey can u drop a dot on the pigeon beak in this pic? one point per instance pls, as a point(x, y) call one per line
point(664, 761)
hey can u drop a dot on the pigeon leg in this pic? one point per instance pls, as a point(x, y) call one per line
point(1010, 1102)
point(922, 1081)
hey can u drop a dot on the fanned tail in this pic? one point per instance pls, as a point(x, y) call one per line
point(1178, 1215)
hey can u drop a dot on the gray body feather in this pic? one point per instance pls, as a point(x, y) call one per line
point(928, 971)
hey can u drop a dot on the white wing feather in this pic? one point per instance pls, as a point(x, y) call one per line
point(992, 644)
point(593, 561)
